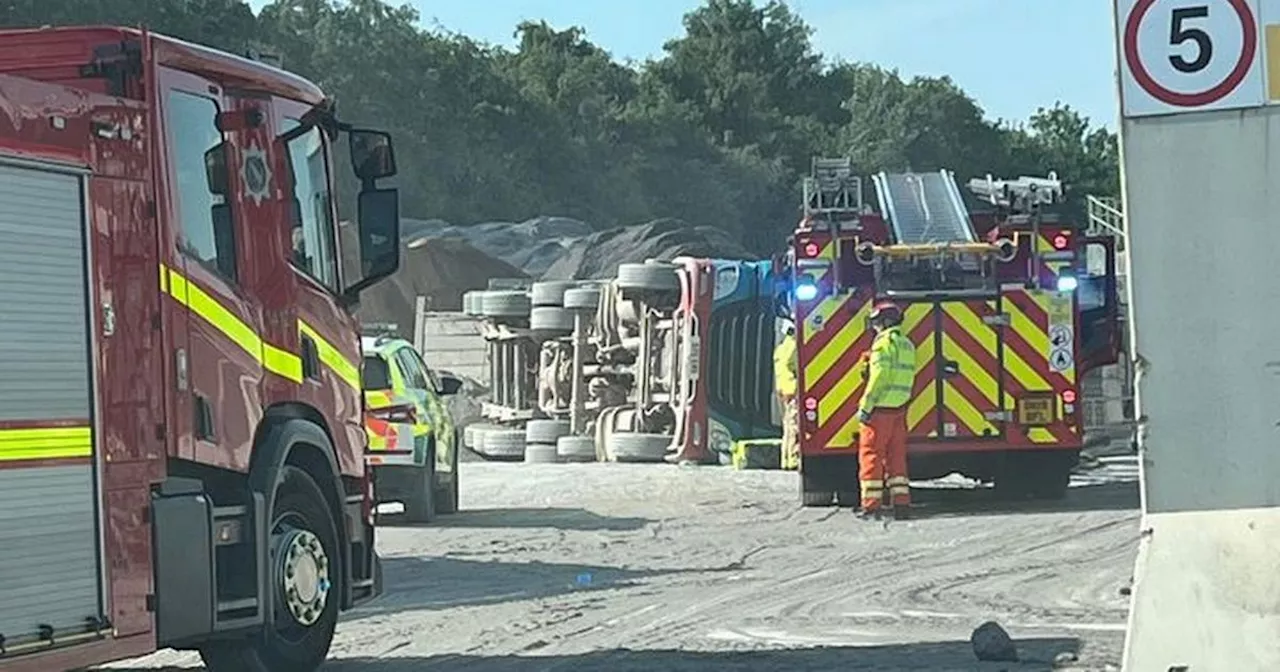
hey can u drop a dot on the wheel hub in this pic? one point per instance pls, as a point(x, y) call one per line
point(304, 576)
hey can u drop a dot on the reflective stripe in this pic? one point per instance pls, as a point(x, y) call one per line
point(899, 480)
point(45, 443)
point(275, 359)
point(899, 489)
point(892, 371)
point(332, 357)
point(872, 488)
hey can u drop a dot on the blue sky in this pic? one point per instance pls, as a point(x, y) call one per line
point(1011, 55)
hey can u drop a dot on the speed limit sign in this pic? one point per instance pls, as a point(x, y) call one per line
point(1188, 56)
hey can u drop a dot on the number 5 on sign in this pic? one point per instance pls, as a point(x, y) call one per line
point(1189, 56)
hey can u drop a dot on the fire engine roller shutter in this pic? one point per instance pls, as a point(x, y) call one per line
point(49, 571)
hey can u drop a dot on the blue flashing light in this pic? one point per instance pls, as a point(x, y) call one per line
point(806, 291)
point(1067, 283)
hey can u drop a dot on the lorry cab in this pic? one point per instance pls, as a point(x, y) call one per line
point(192, 432)
point(727, 307)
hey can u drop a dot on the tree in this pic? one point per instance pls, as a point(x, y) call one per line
point(717, 131)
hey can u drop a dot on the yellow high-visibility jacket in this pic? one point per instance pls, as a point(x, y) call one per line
point(784, 366)
point(893, 371)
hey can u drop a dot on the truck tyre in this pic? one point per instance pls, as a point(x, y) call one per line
point(576, 449)
point(550, 292)
point(628, 447)
point(304, 545)
point(650, 277)
point(541, 453)
point(447, 496)
point(420, 505)
point(505, 304)
point(551, 321)
point(546, 432)
point(504, 444)
point(472, 303)
point(582, 298)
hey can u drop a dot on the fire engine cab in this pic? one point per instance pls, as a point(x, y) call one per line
point(1008, 310)
point(181, 447)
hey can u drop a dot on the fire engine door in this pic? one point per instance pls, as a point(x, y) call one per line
point(968, 383)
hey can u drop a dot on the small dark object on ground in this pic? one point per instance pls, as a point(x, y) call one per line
point(992, 644)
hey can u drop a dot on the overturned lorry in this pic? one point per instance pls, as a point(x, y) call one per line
point(667, 361)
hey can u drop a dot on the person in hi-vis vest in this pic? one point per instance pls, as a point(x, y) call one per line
point(882, 411)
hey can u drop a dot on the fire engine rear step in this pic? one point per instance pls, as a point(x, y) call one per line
point(924, 207)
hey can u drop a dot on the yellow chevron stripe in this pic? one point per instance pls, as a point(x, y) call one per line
point(1040, 435)
point(964, 411)
point(842, 392)
point(926, 403)
point(842, 341)
point(988, 386)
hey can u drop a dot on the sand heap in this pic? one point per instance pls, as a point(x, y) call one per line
point(599, 254)
point(440, 269)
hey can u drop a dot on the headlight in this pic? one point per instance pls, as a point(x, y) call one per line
point(1067, 283)
point(805, 290)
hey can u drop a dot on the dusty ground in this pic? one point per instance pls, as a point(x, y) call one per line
point(660, 568)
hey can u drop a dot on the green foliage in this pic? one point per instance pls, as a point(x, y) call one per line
point(718, 131)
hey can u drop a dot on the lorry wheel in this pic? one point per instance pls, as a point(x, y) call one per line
point(304, 546)
point(545, 431)
point(506, 445)
point(582, 298)
point(540, 453)
point(656, 277)
point(550, 322)
point(576, 448)
point(628, 447)
point(420, 505)
point(447, 496)
point(499, 303)
point(549, 292)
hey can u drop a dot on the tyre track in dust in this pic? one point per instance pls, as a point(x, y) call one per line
point(717, 560)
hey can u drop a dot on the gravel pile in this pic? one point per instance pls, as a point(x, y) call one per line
point(599, 254)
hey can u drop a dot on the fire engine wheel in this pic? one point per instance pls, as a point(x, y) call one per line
point(304, 544)
point(812, 494)
point(420, 504)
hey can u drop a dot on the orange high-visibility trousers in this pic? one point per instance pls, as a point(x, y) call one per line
point(882, 459)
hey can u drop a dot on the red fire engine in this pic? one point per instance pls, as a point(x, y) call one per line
point(1007, 310)
point(181, 450)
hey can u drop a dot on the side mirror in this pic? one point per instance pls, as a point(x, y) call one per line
point(372, 155)
point(378, 222)
point(215, 169)
point(450, 385)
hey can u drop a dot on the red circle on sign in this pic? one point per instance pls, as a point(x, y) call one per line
point(1211, 95)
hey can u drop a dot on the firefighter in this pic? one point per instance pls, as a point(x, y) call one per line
point(784, 378)
point(882, 441)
